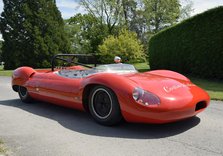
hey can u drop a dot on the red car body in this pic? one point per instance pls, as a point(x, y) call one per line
point(178, 98)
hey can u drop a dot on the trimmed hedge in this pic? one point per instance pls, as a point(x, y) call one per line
point(194, 46)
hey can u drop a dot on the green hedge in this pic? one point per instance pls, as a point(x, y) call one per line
point(194, 46)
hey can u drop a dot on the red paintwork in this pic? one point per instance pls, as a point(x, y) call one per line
point(177, 94)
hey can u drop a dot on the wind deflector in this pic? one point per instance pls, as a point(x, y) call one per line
point(76, 59)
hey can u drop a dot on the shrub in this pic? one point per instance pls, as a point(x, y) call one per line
point(194, 46)
point(126, 45)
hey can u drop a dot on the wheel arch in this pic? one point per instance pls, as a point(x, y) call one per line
point(120, 86)
point(20, 76)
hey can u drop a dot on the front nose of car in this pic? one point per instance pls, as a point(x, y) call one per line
point(174, 94)
point(178, 100)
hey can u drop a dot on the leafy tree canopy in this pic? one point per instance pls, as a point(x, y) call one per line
point(33, 31)
point(108, 12)
point(161, 13)
point(86, 33)
point(145, 17)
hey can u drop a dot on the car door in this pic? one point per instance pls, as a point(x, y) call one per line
point(56, 89)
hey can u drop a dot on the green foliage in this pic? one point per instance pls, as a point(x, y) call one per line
point(194, 46)
point(162, 13)
point(145, 17)
point(125, 45)
point(33, 32)
point(86, 33)
point(108, 12)
point(142, 67)
point(1, 42)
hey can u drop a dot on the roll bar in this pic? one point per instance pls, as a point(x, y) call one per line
point(70, 59)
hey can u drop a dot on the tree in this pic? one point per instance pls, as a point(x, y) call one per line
point(86, 33)
point(1, 51)
point(161, 13)
point(145, 17)
point(186, 9)
point(125, 45)
point(33, 31)
point(109, 12)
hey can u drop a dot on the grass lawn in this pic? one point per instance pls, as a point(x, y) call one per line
point(142, 67)
point(5, 72)
point(213, 87)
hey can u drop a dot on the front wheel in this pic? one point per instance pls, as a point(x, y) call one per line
point(24, 95)
point(104, 106)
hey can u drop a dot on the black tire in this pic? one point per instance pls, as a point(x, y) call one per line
point(104, 106)
point(24, 94)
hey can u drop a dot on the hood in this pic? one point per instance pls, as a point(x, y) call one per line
point(168, 88)
point(155, 83)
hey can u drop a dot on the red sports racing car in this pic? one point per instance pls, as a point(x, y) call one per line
point(112, 92)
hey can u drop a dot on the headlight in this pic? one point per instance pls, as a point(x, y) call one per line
point(144, 97)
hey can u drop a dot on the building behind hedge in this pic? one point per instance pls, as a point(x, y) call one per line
point(194, 46)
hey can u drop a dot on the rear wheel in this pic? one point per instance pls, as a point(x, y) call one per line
point(104, 106)
point(24, 95)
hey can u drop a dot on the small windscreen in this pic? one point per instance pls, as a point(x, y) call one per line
point(117, 67)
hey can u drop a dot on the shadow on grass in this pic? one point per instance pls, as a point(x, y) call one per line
point(81, 122)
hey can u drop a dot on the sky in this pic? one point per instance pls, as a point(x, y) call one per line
point(69, 8)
